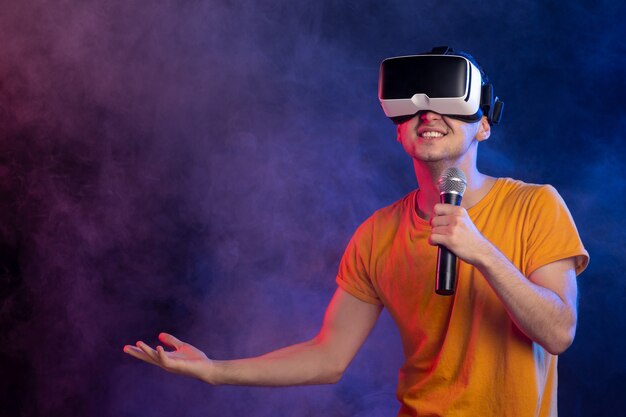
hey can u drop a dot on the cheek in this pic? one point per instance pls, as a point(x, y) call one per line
point(469, 132)
point(403, 133)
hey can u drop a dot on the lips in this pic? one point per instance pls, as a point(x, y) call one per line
point(429, 133)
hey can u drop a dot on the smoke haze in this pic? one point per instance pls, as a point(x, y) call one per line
point(198, 167)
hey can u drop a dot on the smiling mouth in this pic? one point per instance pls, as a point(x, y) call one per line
point(431, 135)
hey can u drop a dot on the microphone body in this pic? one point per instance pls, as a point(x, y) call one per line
point(452, 184)
point(446, 260)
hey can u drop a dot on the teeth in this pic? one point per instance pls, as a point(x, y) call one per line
point(432, 135)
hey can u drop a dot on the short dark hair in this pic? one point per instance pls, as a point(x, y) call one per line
point(446, 50)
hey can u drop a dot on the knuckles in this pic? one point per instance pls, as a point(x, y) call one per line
point(441, 208)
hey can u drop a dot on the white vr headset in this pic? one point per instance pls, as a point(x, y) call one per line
point(439, 81)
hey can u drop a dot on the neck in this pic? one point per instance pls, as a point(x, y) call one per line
point(478, 185)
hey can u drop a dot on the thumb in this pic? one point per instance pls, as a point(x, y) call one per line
point(170, 340)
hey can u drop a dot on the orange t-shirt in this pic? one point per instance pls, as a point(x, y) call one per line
point(464, 355)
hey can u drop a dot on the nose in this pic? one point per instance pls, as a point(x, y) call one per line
point(428, 116)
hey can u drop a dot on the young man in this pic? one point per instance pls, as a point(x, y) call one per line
point(491, 348)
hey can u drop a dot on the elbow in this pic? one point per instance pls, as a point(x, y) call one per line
point(334, 372)
point(325, 375)
point(331, 363)
point(334, 377)
point(561, 340)
point(557, 347)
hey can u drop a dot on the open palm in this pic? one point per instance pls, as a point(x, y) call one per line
point(184, 359)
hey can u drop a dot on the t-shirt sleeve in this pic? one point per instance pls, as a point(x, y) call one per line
point(552, 232)
point(354, 270)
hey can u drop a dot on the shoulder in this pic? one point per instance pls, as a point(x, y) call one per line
point(514, 190)
point(521, 188)
point(537, 206)
point(513, 201)
point(549, 231)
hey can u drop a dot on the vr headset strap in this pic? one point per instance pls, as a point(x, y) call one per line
point(441, 50)
point(491, 106)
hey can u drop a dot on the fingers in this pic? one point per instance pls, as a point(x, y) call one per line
point(439, 221)
point(441, 209)
point(158, 357)
point(161, 355)
point(138, 353)
point(445, 223)
point(446, 214)
point(170, 340)
point(133, 351)
point(149, 352)
point(143, 351)
point(438, 239)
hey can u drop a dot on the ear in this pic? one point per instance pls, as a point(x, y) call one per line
point(484, 129)
point(398, 131)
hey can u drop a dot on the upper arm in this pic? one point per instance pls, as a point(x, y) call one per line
point(560, 278)
point(347, 323)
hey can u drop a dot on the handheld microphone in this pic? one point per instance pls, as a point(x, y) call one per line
point(452, 184)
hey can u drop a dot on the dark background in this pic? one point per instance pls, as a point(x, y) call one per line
point(198, 167)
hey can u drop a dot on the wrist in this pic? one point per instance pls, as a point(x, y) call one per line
point(211, 372)
point(485, 254)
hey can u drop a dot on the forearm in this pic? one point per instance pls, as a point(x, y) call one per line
point(538, 312)
point(322, 360)
point(301, 364)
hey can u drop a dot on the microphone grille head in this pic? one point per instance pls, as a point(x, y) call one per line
point(453, 181)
